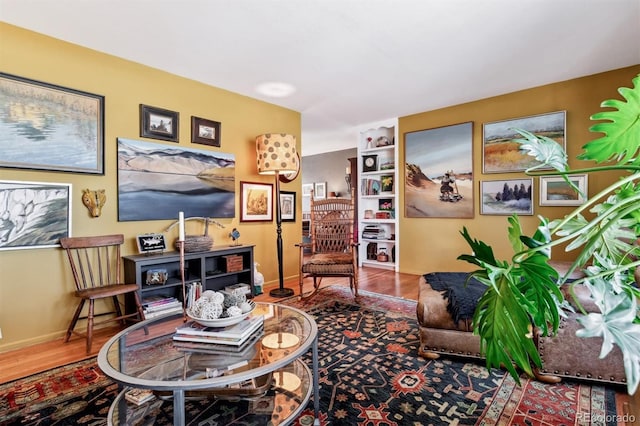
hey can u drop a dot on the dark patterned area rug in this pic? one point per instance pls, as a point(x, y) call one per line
point(370, 375)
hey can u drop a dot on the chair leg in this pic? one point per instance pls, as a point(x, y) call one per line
point(139, 307)
point(90, 326)
point(116, 304)
point(74, 320)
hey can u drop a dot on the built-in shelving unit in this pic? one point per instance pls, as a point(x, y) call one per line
point(378, 195)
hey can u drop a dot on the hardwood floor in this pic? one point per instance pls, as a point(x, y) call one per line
point(41, 357)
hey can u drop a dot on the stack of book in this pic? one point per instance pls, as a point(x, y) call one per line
point(139, 396)
point(155, 306)
point(233, 338)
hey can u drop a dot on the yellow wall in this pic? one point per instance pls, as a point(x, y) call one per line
point(36, 300)
point(432, 244)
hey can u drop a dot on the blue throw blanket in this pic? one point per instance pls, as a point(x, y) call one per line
point(462, 299)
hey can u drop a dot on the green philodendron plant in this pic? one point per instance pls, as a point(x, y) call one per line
point(523, 293)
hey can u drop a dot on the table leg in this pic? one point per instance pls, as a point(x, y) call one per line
point(316, 387)
point(178, 408)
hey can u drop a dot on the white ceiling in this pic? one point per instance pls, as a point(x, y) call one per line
point(352, 61)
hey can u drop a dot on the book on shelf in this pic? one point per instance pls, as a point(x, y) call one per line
point(237, 340)
point(155, 314)
point(220, 349)
point(162, 307)
point(237, 331)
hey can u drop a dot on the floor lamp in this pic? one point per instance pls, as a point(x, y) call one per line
point(276, 154)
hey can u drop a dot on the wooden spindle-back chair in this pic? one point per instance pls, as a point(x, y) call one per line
point(96, 266)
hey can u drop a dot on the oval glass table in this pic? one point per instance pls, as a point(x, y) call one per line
point(263, 382)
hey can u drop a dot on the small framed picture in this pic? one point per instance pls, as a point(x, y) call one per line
point(505, 197)
point(369, 163)
point(158, 123)
point(555, 191)
point(386, 183)
point(306, 189)
point(206, 132)
point(320, 190)
point(385, 204)
point(151, 243)
point(256, 202)
point(288, 206)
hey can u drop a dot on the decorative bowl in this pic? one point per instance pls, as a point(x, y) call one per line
point(222, 322)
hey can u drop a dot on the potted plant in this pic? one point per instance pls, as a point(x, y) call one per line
point(524, 293)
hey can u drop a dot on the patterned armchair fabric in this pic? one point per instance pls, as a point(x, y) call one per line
point(333, 251)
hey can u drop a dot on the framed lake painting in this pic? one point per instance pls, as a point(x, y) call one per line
point(35, 214)
point(49, 127)
point(500, 154)
point(439, 172)
point(156, 181)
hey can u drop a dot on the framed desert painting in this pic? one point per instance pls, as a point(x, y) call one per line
point(439, 172)
point(500, 154)
point(506, 197)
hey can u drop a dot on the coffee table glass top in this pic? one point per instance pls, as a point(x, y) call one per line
point(146, 356)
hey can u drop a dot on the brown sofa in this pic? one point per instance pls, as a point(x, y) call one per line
point(564, 355)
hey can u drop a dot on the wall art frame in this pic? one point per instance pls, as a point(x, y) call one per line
point(151, 243)
point(320, 190)
point(63, 130)
point(555, 191)
point(36, 214)
point(506, 197)
point(288, 206)
point(159, 123)
point(256, 202)
point(205, 132)
point(166, 179)
point(306, 189)
point(429, 156)
point(500, 154)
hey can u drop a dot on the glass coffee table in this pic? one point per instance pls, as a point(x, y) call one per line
point(264, 382)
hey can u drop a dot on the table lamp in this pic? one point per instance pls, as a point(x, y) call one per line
point(276, 154)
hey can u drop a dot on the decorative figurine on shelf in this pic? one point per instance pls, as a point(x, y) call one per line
point(369, 142)
point(258, 279)
point(235, 235)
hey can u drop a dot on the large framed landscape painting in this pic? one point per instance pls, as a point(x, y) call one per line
point(500, 154)
point(34, 214)
point(156, 181)
point(49, 127)
point(506, 197)
point(439, 172)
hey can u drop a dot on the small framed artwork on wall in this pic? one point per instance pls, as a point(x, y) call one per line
point(320, 190)
point(158, 123)
point(555, 191)
point(505, 197)
point(288, 206)
point(206, 132)
point(256, 202)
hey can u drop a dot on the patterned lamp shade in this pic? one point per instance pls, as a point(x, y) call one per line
point(276, 152)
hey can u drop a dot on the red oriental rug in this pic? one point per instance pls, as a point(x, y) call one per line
point(370, 375)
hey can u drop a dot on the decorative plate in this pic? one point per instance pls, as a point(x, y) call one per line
point(222, 322)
